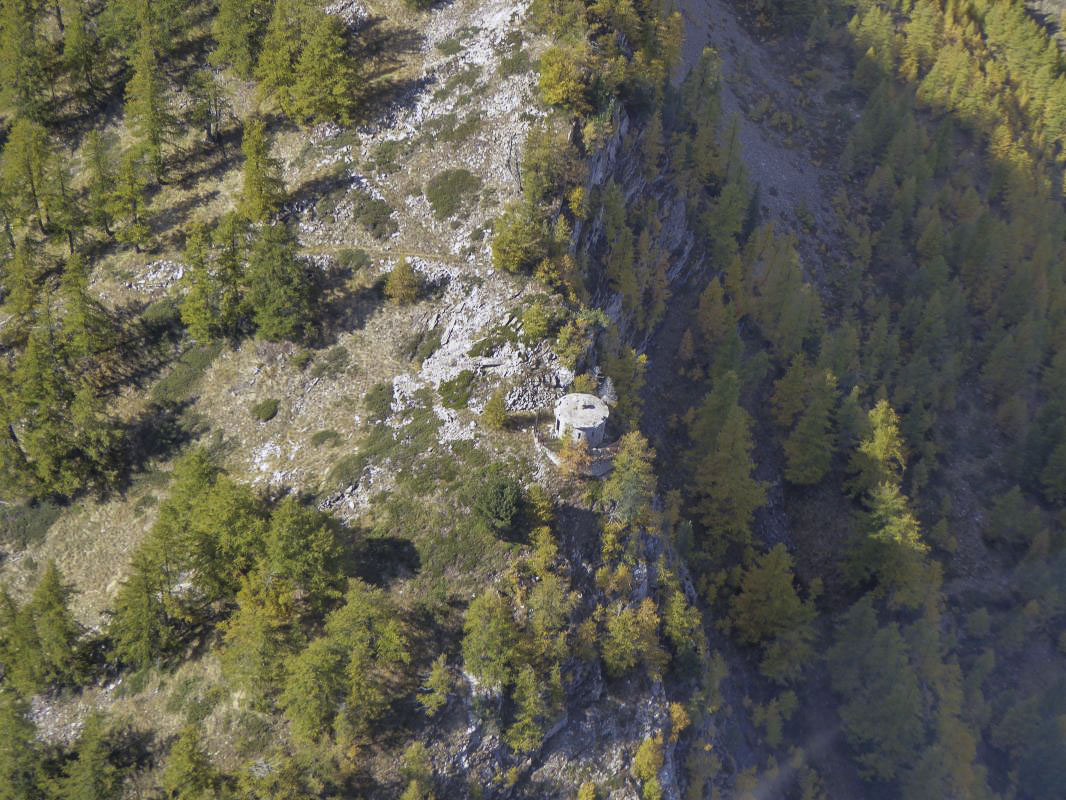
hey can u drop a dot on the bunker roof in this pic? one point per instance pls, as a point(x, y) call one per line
point(581, 410)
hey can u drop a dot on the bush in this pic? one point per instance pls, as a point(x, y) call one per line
point(496, 499)
point(403, 286)
point(421, 345)
point(518, 242)
point(538, 321)
point(353, 258)
point(373, 214)
point(332, 362)
point(22, 525)
point(562, 81)
point(495, 413)
point(346, 472)
point(326, 437)
point(266, 410)
point(456, 392)
point(449, 192)
point(378, 400)
point(182, 379)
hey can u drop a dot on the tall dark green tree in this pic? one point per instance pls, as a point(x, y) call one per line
point(280, 290)
point(91, 775)
point(146, 106)
point(326, 85)
point(238, 29)
point(262, 185)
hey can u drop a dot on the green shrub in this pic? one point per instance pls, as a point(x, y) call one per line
point(266, 410)
point(385, 156)
point(450, 46)
point(373, 214)
point(518, 241)
point(332, 362)
point(403, 285)
point(456, 392)
point(562, 79)
point(346, 472)
point(378, 400)
point(421, 345)
point(302, 358)
point(353, 258)
point(22, 525)
point(465, 78)
point(538, 322)
point(326, 437)
point(496, 498)
point(180, 382)
point(450, 192)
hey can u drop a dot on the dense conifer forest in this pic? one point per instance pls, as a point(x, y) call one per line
point(287, 291)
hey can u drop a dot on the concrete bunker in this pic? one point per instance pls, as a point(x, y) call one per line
point(584, 416)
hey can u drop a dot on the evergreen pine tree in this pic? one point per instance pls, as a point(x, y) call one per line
point(81, 48)
point(57, 632)
point(727, 494)
point(199, 306)
point(276, 69)
point(495, 412)
point(326, 76)
point(89, 328)
point(280, 289)
point(254, 642)
point(880, 458)
point(188, 773)
point(437, 688)
point(101, 186)
point(146, 108)
point(314, 688)
point(809, 448)
point(302, 551)
point(403, 286)
point(91, 775)
point(262, 186)
point(20, 757)
point(238, 29)
point(21, 283)
point(527, 730)
point(230, 238)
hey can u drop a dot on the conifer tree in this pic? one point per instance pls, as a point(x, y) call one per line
point(57, 632)
point(418, 772)
point(437, 688)
point(81, 48)
point(199, 306)
point(880, 458)
point(140, 626)
point(262, 186)
point(727, 494)
point(146, 108)
point(489, 640)
point(403, 286)
point(369, 632)
point(230, 238)
point(254, 642)
point(302, 551)
point(238, 29)
point(495, 412)
point(809, 448)
point(326, 75)
point(768, 611)
point(280, 289)
point(21, 284)
point(101, 188)
point(91, 775)
point(89, 328)
point(527, 730)
point(128, 201)
point(22, 68)
point(881, 710)
point(188, 773)
point(631, 486)
point(276, 69)
point(24, 168)
point(19, 752)
point(314, 687)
